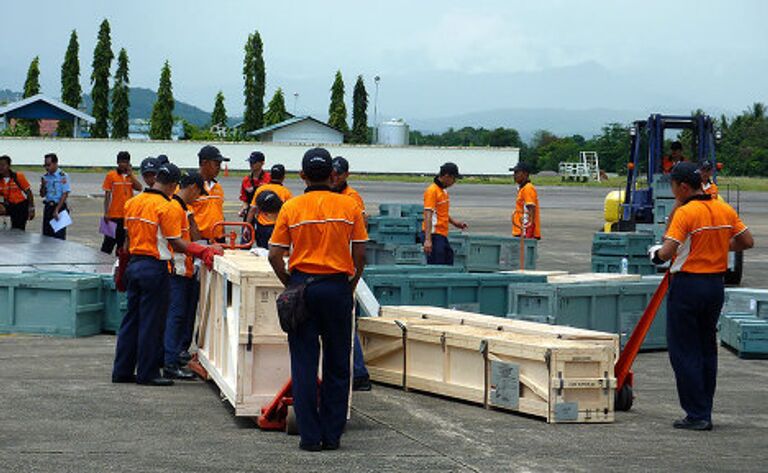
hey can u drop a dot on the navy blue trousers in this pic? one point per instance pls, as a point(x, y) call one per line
point(180, 320)
point(442, 253)
point(329, 302)
point(140, 338)
point(263, 234)
point(693, 308)
point(358, 369)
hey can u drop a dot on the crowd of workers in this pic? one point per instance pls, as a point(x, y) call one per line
point(163, 233)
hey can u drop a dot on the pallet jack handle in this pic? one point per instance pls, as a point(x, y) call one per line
point(523, 227)
point(623, 367)
point(232, 235)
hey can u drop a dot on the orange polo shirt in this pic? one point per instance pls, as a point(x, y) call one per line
point(177, 213)
point(209, 210)
point(147, 230)
point(350, 192)
point(438, 201)
point(10, 190)
point(283, 192)
point(703, 227)
point(319, 227)
point(527, 195)
point(121, 187)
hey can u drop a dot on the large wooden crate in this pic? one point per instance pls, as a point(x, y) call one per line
point(514, 368)
point(241, 344)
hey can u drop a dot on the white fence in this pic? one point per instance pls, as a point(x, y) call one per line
point(363, 159)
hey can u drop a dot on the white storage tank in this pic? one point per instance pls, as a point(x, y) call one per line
point(393, 132)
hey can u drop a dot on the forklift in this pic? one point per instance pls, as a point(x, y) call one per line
point(634, 208)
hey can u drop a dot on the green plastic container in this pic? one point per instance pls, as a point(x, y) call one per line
point(753, 301)
point(115, 305)
point(655, 229)
point(662, 209)
point(488, 253)
point(61, 304)
point(745, 333)
point(390, 254)
point(408, 269)
point(402, 210)
point(612, 264)
point(613, 307)
point(485, 293)
point(662, 187)
point(621, 243)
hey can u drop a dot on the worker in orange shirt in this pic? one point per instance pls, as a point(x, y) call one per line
point(675, 156)
point(16, 197)
point(527, 211)
point(437, 216)
point(118, 187)
point(698, 238)
point(256, 178)
point(185, 289)
point(209, 209)
point(707, 184)
point(265, 219)
point(325, 234)
point(153, 234)
point(341, 184)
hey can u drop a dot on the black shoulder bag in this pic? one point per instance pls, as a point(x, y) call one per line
point(292, 307)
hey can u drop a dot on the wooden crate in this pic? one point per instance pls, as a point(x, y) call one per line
point(241, 344)
point(558, 379)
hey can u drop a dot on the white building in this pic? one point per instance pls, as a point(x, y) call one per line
point(299, 130)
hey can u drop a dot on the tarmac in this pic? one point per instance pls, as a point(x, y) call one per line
point(60, 412)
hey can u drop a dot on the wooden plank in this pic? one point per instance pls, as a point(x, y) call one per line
point(592, 277)
point(560, 380)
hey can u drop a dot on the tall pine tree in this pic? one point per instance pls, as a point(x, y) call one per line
point(276, 111)
point(337, 111)
point(121, 101)
point(102, 64)
point(161, 123)
point(71, 91)
point(359, 113)
point(219, 115)
point(32, 87)
point(255, 77)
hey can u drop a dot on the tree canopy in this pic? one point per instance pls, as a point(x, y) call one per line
point(276, 109)
point(254, 75)
point(337, 110)
point(71, 91)
point(121, 101)
point(102, 64)
point(359, 133)
point(219, 114)
point(161, 123)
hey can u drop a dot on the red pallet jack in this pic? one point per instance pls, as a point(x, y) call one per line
point(194, 364)
point(623, 368)
point(279, 414)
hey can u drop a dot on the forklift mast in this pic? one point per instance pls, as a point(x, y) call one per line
point(647, 150)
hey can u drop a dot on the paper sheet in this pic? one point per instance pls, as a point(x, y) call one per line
point(107, 227)
point(64, 221)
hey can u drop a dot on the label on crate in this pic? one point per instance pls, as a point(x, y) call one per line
point(753, 305)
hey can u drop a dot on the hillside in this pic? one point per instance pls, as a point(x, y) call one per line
point(142, 101)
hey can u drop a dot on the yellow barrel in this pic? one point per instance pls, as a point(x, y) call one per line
point(612, 209)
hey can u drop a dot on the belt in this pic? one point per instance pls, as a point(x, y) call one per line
point(145, 258)
point(324, 277)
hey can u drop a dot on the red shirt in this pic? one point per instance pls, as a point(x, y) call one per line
point(250, 184)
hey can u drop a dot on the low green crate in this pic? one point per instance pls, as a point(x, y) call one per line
point(655, 229)
point(612, 264)
point(393, 224)
point(485, 293)
point(746, 334)
point(754, 301)
point(115, 305)
point(389, 254)
point(402, 210)
point(61, 304)
point(621, 243)
point(488, 253)
point(662, 186)
point(613, 307)
point(662, 209)
point(394, 238)
point(406, 269)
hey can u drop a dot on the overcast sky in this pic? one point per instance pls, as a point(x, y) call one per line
point(688, 53)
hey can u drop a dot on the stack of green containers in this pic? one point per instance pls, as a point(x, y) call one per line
point(115, 305)
point(489, 253)
point(744, 333)
point(608, 250)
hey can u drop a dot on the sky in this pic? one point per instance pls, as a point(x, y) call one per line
point(435, 58)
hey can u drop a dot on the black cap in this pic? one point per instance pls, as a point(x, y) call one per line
point(450, 169)
point(123, 156)
point(193, 179)
point(706, 165)
point(211, 153)
point(340, 165)
point(170, 170)
point(521, 166)
point(685, 172)
point(256, 157)
point(162, 159)
point(149, 166)
point(317, 164)
point(277, 171)
point(268, 201)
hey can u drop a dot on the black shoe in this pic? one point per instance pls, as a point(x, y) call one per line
point(330, 446)
point(175, 372)
point(184, 358)
point(688, 424)
point(313, 447)
point(156, 382)
point(361, 384)
point(124, 379)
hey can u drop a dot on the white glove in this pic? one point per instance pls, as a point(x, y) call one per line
point(652, 255)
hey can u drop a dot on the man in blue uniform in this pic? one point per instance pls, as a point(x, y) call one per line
point(54, 189)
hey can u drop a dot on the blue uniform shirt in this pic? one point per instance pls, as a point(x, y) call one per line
point(56, 185)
